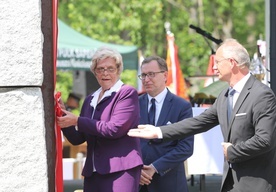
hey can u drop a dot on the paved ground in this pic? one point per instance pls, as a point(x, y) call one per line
point(211, 184)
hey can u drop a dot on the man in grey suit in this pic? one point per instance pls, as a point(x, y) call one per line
point(250, 131)
point(163, 168)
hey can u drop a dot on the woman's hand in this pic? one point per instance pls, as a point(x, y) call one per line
point(67, 120)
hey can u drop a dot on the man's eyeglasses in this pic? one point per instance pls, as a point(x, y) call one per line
point(101, 70)
point(218, 61)
point(149, 75)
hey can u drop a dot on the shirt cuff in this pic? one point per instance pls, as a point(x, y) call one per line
point(154, 168)
point(159, 133)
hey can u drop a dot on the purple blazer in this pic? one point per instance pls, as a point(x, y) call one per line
point(106, 134)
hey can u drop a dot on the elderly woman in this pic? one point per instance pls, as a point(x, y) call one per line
point(113, 162)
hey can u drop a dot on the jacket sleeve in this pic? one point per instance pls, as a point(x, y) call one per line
point(120, 115)
point(191, 126)
point(182, 150)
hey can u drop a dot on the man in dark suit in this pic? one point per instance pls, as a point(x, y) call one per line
point(163, 169)
point(249, 132)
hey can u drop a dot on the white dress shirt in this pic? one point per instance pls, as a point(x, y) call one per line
point(159, 100)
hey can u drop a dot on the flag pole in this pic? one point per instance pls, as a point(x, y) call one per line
point(167, 26)
point(175, 79)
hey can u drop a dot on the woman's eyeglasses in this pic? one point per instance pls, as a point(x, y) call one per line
point(101, 70)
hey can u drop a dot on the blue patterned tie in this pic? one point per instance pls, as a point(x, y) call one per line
point(231, 92)
point(152, 112)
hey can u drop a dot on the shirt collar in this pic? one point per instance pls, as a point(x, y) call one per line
point(160, 96)
point(115, 88)
point(239, 86)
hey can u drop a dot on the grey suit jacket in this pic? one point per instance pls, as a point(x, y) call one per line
point(252, 131)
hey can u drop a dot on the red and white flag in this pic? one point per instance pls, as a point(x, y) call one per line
point(175, 81)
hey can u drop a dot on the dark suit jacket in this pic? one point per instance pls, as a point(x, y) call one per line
point(106, 134)
point(252, 131)
point(167, 157)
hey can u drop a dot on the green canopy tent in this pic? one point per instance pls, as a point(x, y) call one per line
point(208, 95)
point(75, 50)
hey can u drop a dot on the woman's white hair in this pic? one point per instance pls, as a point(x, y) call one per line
point(106, 52)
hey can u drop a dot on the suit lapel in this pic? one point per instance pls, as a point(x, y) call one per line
point(222, 112)
point(162, 120)
point(165, 109)
point(244, 93)
point(89, 109)
point(144, 109)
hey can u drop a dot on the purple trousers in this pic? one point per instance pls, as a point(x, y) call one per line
point(123, 181)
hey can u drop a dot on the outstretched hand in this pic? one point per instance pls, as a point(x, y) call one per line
point(144, 131)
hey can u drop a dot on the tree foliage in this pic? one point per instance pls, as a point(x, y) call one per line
point(141, 23)
point(64, 83)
